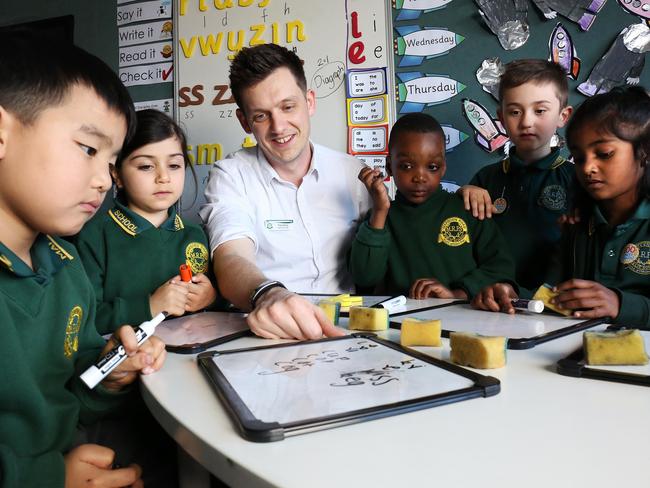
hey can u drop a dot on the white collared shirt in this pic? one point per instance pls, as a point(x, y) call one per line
point(301, 234)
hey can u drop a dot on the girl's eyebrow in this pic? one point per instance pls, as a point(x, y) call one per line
point(151, 156)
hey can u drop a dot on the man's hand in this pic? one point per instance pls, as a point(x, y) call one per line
point(281, 314)
point(496, 298)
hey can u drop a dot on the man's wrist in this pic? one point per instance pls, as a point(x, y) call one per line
point(262, 289)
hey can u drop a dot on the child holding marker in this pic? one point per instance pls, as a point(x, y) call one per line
point(132, 253)
point(424, 243)
point(63, 118)
point(602, 267)
point(529, 191)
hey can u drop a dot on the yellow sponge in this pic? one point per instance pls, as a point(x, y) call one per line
point(619, 347)
point(346, 300)
point(477, 351)
point(545, 293)
point(416, 332)
point(331, 309)
point(365, 318)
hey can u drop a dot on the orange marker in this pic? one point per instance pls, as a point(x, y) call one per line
point(186, 272)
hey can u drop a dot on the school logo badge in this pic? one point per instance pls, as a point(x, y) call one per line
point(553, 197)
point(196, 255)
point(453, 232)
point(71, 343)
point(630, 254)
point(641, 265)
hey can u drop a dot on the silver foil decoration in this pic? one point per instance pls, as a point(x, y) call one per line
point(622, 63)
point(507, 19)
point(489, 76)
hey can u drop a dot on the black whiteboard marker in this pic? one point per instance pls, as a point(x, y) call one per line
point(113, 358)
point(535, 306)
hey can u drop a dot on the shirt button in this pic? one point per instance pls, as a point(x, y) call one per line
point(611, 253)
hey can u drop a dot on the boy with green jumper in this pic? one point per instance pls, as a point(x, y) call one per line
point(601, 266)
point(63, 118)
point(424, 243)
point(530, 190)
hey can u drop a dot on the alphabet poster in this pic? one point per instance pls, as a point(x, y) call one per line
point(334, 38)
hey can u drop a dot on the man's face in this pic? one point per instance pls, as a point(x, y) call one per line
point(278, 112)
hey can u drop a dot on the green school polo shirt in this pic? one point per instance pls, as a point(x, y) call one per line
point(436, 239)
point(536, 195)
point(48, 339)
point(127, 259)
point(618, 258)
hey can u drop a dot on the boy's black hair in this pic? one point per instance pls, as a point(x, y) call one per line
point(623, 112)
point(153, 126)
point(35, 76)
point(535, 71)
point(253, 64)
point(415, 122)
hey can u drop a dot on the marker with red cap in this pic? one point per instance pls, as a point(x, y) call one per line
point(185, 272)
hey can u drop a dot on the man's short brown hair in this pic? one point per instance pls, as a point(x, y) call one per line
point(537, 71)
point(254, 64)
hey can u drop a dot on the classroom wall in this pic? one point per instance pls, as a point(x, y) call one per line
point(461, 63)
point(95, 30)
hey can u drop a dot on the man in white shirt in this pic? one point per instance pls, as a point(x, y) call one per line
point(281, 215)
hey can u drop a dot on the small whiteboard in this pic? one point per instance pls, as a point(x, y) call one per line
point(523, 329)
point(287, 389)
point(575, 365)
point(195, 333)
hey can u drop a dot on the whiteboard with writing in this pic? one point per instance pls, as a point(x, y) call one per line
point(523, 329)
point(272, 392)
point(208, 34)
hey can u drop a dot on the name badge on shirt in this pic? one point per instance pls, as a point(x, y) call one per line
point(278, 225)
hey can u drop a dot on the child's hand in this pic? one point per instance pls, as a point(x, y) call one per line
point(201, 293)
point(432, 288)
point(571, 218)
point(597, 300)
point(146, 359)
point(91, 465)
point(477, 200)
point(373, 179)
point(374, 182)
point(170, 297)
point(496, 298)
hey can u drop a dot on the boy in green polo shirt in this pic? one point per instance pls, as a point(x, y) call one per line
point(424, 243)
point(63, 118)
point(602, 265)
point(530, 190)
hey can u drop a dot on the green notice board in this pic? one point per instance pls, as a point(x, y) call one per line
point(461, 62)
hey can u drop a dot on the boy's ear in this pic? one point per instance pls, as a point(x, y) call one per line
point(4, 130)
point(565, 115)
point(500, 115)
point(242, 121)
point(389, 171)
point(115, 175)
